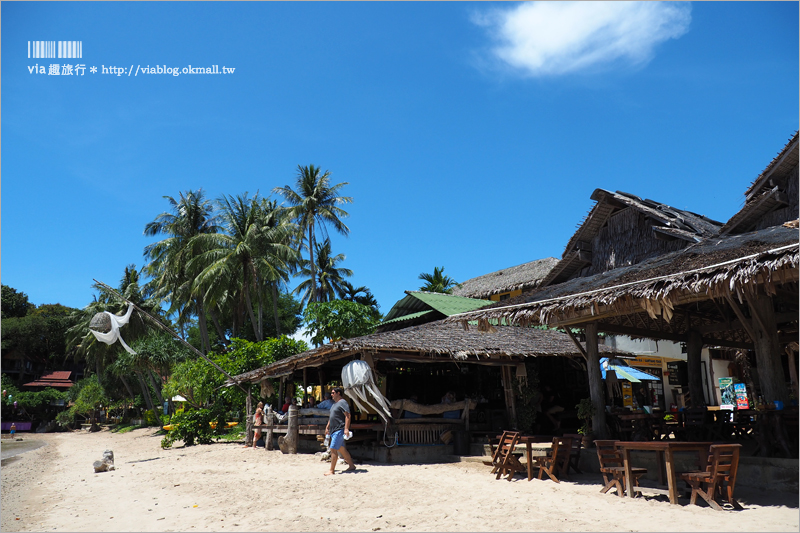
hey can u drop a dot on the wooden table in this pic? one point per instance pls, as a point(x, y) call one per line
point(665, 451)
point(529, 441)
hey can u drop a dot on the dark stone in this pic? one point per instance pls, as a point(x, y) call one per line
point(100, 322)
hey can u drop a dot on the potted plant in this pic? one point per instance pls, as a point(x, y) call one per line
point(586, 412)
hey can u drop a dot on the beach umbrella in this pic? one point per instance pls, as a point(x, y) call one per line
point(623, 371)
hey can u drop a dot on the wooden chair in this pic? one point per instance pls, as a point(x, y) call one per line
point(494, 447)
point(613, 469)
point(575, 452)
point(695, 422)
point(720, 474)
point(557, 459)
point(504, 461)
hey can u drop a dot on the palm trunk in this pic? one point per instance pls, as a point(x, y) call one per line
point(127, 386)
point(146, 393)
point(275, 308)
point(215, 321)
point(201, 322)
point(259, 334)
point(260, 310)
point(156, 386)
point(313, 266)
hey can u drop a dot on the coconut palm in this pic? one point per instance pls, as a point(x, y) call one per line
point(437, 282)
point(361, 295)
point(190, 215)
point(314, 204)
point(326, 275)
point(244, 258)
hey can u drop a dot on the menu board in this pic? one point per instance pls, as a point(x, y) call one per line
point(727, 393)
point(741, 396)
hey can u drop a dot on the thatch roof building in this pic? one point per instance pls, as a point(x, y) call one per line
point(507, 282)
point(641, 300)
point(431, 343)
point(623, 229)
point(772, 199)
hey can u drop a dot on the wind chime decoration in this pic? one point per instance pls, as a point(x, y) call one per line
point(105, 327)
point(359, 384)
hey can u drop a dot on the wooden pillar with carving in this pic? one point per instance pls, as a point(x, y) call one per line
point(694, 349)
point(508, 389)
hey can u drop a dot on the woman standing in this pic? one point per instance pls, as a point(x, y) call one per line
point(258, 420)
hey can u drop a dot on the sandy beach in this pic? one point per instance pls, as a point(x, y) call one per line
point(224, 487)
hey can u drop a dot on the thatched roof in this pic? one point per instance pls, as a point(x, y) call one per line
point(521, 277)
point(769, 192)
point(713, 268)
point(664, 219)
point(436, 340)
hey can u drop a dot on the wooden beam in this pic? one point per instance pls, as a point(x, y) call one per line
point(742, 320)
point(411, 358)
point(568, 331)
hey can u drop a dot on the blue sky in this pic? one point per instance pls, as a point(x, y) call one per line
point(471, 134)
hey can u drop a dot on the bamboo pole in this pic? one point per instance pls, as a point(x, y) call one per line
point(270, 425)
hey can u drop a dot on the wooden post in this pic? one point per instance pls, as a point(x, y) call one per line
point(508, 389)
point(270, 424)
point(248, 440)
point(767, 348)
point(595, 382)
point(288, 443)
point(305, 387)
point(792, 369)
point(281, 391)
point(694, 347)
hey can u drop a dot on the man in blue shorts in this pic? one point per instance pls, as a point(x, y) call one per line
point(339, 426)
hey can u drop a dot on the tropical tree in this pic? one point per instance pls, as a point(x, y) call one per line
point(338, 319)
point(236, 264)
point(361, 295)
point(329, 277)
point(190, 215)
point(437, 282)
point(314, 204)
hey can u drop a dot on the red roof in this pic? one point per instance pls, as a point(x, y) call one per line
point(53, 379)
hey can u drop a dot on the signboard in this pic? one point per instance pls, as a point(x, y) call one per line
point(727, 393)
point(741, 396)
point(627, 394)
point(643, 360)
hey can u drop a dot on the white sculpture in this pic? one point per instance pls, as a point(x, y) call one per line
point(113, 334)
point(359, 384)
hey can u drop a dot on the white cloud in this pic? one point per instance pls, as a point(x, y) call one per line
point(552, 38)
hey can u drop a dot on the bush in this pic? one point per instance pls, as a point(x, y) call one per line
point(150, 419)
point(194, 427)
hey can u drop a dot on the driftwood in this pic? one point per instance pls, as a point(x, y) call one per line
point(270, 423)
point(435, 409)
point(288, 442)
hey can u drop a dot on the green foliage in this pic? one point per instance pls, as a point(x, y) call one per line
point(338, 319)
point(194, 427)
point(200, 383)
point(14, 304)
point(87, 396)
point(586, 411)
point(529, 398)
point(437, 282)
point(39, 334)
point(150, 419)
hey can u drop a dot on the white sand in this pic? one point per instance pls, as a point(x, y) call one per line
point(224, 487)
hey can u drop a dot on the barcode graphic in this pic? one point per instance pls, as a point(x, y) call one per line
point(47, 49)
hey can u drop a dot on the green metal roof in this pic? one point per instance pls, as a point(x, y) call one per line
point(407, 317)
point(446, 304)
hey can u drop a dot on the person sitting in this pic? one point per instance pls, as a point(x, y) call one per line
point(326, 403)
point(311, 403)
point(450, 397)
point(409, 414)
point(286, 404)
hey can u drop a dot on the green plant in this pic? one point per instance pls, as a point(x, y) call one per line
point(194, 427)
point(529, 398)
point(586, 411)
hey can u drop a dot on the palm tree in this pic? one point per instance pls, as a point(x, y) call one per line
point(325, 273)
point(361, 295)
point(315, 203)
point(437, 282)
point(244, 258)
point(190, 216)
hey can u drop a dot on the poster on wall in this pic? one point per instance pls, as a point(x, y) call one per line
point(741, 396)
point(627, 394)
point(727, 393)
